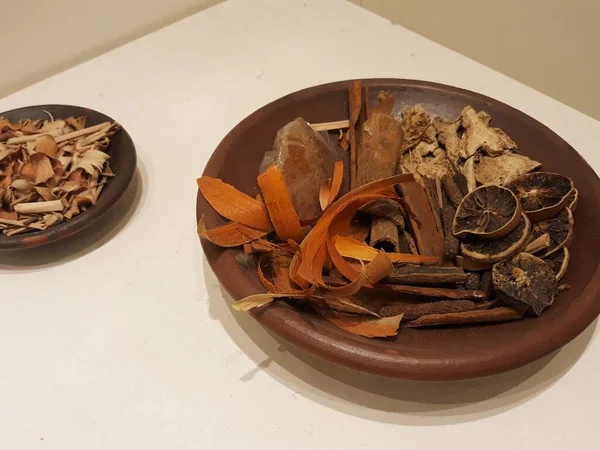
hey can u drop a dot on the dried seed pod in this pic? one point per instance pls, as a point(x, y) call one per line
point(482, 250)
point(490, 212)
point(525, 281)
point(542, 194)
point(558, 262)
point(559, 228)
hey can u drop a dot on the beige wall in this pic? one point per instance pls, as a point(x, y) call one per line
point(550, 45)
point(43, 37)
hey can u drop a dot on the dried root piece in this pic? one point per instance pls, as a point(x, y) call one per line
point(525, 281)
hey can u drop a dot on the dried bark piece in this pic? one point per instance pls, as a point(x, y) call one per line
point(413, 311)
point(502, 314)
point(279, 205)
point(358, 230)
point(542, 194)
point(379, 268)
point(355, 104)
point(384, 235)
point(378, 150)
point(361, 325)
point(558, 262)
point(559, 228)
point(413, 274)
point(525, 281)
point(428, 236)
point(415, 122)
point(331, 188)
point(433, 291)
point(487, 251)
point(39, 207)
point(387, 209)
point(306, 161)
point(489, 212)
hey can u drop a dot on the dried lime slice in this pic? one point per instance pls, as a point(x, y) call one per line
point(542, 194)
point(486, 251)
point(490, 212)
point(559, 228)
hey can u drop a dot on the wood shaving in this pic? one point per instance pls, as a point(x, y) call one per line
point(51, 170)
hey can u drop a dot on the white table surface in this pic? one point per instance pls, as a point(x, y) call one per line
point(125, 341)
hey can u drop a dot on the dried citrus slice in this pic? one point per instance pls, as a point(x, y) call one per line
point(559, 228)
point(542, 194)
point(484, 250)
point(525, 281)
point(558, 262)
point(490, 212)
point(573, 197)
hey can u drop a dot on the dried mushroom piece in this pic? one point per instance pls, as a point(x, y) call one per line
point(542, 194)
point(525, 281)
point(558, 262)
point(487, 251)
point(490, 212)
point(559, 228)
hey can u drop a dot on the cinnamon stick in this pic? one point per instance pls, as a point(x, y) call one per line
point(379, 142)
point(413, 311)
point(502, 314)
point(414, 274)
point(433, 291)
point(384, 235)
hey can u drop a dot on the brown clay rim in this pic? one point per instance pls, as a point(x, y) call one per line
point(123, 162)
point(433, 354)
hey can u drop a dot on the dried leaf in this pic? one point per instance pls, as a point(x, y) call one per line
point(234, 205)
point(361, 325)
point(259, 300)
point(279, 205)
point(91, 162)
point(231, 234)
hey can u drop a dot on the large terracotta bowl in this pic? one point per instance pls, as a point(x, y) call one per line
point(419, 354)
point(122, 161)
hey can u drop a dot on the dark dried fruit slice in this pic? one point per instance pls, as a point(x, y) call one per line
point(525, 281)
point(558, 262)
point(542, 194)
point(559, 228)
point(490, 212)
point(573, 197)
point(483, 250)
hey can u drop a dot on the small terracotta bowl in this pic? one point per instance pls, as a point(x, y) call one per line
point(122, 162)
